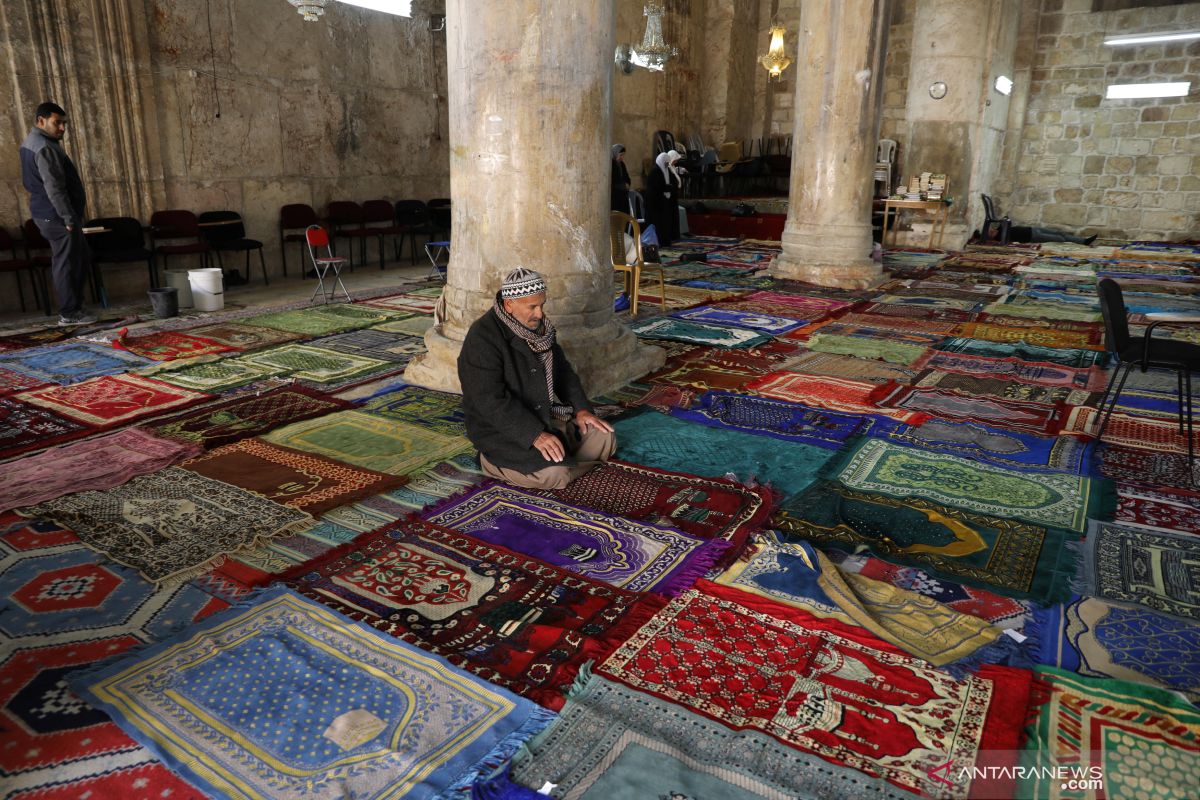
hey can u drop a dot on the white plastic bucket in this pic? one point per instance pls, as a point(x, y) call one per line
point(208, 290)
point(178, 279)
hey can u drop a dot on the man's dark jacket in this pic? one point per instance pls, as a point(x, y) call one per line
point(504, 394)
point(55, 190)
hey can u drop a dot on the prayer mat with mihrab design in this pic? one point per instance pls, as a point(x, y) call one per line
point(812, 307)
point(1053, 499)
point(1089, 379)
point(214, 376)
point(1139, 740)
point(834, 394)
point(1076, 359)
point(301, 480)
point(795, 574)
point(25, 427)
point(1144, 433)
point(440, 412)
point(679, 296)
point(510, 619)
point(664, 442)
point(1035, 418)
point(1152, 568)
point(97, 463)
point(697, 333)
point(242, 417)
point(1149, 467)
point(112, 399)
point(170, 345)
point(935, 327)
point(612, 741)
point(1002, 389)
point(412, 325)
point(1042, 337)
point(1016, 559)
point(373, 343)
point(321, 320)
point(1092, 637)
point(827, 688)
point(241, 336)
point(70, 363)
point(371, 441)
point(882, 348)
point(698, 376)
point(833, 365)
point(13, 382)
point(407, 303)
point(637, 556)
point(938, 304)
point(322, 366)
point(996, 446)
point(1158, 508)
point(170, 523)
point(322, 707)
point(720, 315)
point(1022, 306)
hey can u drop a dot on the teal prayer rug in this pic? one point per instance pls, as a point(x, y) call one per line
point(281, 699)
point(1062, 356)
point(1152, 568)
point(698, 333)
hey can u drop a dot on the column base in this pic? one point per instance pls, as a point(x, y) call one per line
point(605, 358)
point(862, 275)
point(828, 255)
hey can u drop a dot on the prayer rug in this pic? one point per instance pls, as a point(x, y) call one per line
point(1144, 433)
point(421, 304)
point(1016, 559)
point(679, 296)
point(1002, 448)
point(779, 419)
point(170, 523)
point(445, 479)
point(170, 345)
point(720, 315)
point(35, 338)
point(1003, 612)
point(315, 364)
point(812, 307)
point(833, 365)
point(1022, 306)
point(1158, 508)
point(1138, 741)
point(1042, 337)
point(834, 394)
point(321, 320)
point(907, 324)
point(932, 303)
point(371, 441)
point(1003, 389)
point(300, 480)
point(25, 427)
point(774, 309)
point(664, 442)
point(761, 359)
point(70, 363)
point(231, 420)
point(637, 556)
point(1151, 568)
point(1036, 418)
point(697, 333)
point(795, 574)
point(1093, 637)
point(1090, 379)
point(512, 620)
point(13, 382)
point(410, 325)
point(880, 349)
point(440, 412)
point(113, 399)
point(819, 685)
point(1147, 467)
point(242, 336)
point(98, 463)
point(842, 328)
point(323, 707)
point(214, 376)
point(613, 742)
point(373, 343)
point(703, 378)
point(663, 397)
point(1077, 359)
point(1053, 499)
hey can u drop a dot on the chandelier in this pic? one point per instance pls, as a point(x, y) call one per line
point(311, 10)
point(775, 62)
point(654, 52)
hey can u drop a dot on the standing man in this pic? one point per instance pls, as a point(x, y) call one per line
point(525, 408)
point(56, 202)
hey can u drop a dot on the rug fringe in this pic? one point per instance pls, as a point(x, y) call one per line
point(499, 756)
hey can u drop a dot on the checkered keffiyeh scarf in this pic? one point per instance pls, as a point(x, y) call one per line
point(543, 344)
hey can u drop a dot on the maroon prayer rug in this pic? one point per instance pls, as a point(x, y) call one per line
point(25, 427)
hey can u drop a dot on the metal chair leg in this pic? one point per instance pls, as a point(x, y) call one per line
point(1179, 378)
point(1191, 434)
point(1104, 417)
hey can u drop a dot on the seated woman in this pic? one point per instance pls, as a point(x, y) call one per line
point(1024, 234)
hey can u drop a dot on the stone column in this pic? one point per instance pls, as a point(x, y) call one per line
point(839, 89)
point(530, 88)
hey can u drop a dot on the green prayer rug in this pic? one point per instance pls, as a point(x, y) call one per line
point(412, 325)
point(320, 320)
point(1058, 500)
point(865, 347)
point(214, 376)
point(315, 364)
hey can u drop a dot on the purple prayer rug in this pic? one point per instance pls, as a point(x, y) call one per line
point(637, 556)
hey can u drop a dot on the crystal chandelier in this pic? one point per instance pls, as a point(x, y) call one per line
point(775, 62)
point(654, 52)
point(311, 10)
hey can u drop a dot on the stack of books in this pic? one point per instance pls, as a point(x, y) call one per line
point(936, 186)
point(926, 186)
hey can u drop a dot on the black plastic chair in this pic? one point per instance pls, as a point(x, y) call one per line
point(1183, 357)
point(439, 215)
point(346, 221)
point(412, 216)
point(226, 233)
point(11, 262)
point(1003, 225)
point(295, 217)
point(182, 228)
point(121, 243)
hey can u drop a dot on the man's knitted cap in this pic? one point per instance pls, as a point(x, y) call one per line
point(522, 282)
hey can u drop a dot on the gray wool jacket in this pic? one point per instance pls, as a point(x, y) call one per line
point(55, 190)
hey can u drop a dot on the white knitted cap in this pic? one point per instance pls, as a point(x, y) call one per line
point(522, 282)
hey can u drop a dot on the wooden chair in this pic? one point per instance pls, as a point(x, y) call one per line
point(618, 224)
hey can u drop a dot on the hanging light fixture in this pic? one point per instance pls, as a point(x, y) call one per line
point(311, 10)
point(775, 62)
point(654, 52)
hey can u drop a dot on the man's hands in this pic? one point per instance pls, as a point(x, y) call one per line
point(549, 446)
point(586, 421)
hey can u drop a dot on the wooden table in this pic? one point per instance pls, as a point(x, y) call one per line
point(938, 209)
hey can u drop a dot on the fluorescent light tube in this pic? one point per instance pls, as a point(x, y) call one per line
point(1151, 38)
point(1004, 85)
point(1133, 91)
point(400, 7)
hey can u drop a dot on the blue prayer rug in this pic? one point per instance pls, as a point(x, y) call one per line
point(739, 319)
point(1003, 448)
point(71, 363)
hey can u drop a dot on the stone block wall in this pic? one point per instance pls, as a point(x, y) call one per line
point(893, 119)
point(1121, 168)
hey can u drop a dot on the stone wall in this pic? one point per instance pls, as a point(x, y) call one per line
point(893, 120)
point(1121, 168)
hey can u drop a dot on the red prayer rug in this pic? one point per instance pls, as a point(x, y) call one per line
point(170, 345)
point(112, 399)
point(1088, 378)
point(822, 686)
point(834, 394)
point(12, 382)
point(1159, 508)
point(1143, 433)
point(1146, 467)
point(1043, 419)
point(509, 618)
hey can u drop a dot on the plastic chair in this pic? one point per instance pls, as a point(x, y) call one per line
point(346, 221)
point(122, 243)
point(379, 217)
point(618, 225)
point(412, 216)
point(295, 217)
point(174, 225)
point(990, 220)
point(225, 233)
point(317, 237)
point(885, 159)
point(1183, 357)
point(440, 216)
point(17, 265)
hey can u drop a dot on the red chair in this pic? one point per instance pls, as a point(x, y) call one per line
point(379, 217)
point(176, 225)
point(317, 237)
point(295, 217)
point(17, 265)
point(346, 220)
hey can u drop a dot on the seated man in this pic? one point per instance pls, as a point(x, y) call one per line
point(525, 408)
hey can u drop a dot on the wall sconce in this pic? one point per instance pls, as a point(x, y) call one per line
point(311, 10)
point(654, 52)
point(775, 62)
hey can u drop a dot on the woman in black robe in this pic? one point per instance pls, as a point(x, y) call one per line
point(662, 197)
point(620, 180)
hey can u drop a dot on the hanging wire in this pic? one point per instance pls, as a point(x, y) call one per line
point(212, 54)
